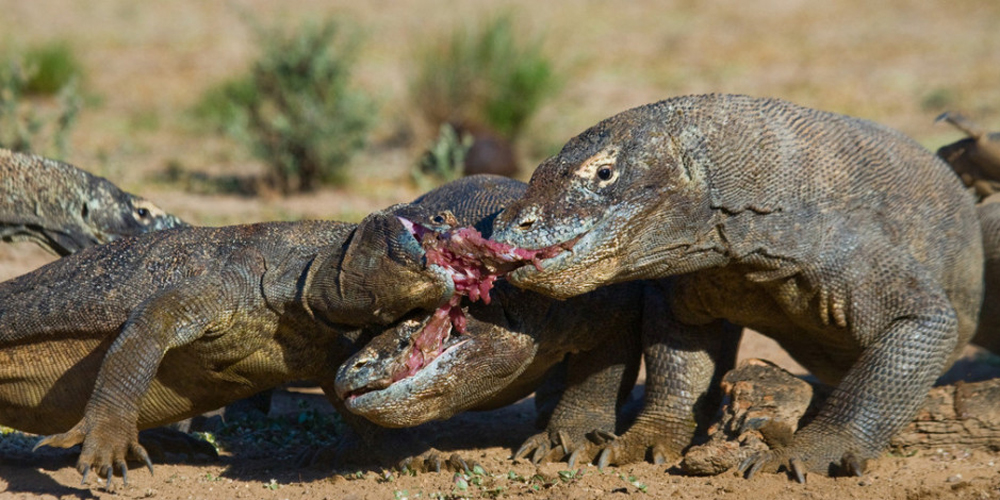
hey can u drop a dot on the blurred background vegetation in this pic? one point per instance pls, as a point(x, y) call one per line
point(228, 112)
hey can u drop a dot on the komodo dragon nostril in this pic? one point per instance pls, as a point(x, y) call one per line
point(526, 224)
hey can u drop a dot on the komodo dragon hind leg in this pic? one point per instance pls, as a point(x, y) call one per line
point(109, 428)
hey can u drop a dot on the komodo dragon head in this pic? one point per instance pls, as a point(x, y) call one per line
point(111, 213)
point(630, 178)
point(411, 373)
point(65, 209)
point(407, 257)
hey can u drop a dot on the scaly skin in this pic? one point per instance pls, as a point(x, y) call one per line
point(65, 209)
point(148, 330)
point(848, 243)
point(507, 349)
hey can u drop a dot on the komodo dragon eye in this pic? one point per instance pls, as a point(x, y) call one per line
point(142, 213)
point(438, 219)
point(604, 173)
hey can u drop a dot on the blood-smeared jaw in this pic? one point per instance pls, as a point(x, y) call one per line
point(405, 377)
point(591, 258)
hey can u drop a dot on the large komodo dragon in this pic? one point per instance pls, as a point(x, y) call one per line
point(65, 209)
point(848, 243)
point(415, 372)
point(153, 329)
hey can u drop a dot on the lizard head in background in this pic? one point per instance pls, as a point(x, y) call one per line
point(65, 209)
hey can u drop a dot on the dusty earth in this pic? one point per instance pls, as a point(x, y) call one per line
point(897, 62)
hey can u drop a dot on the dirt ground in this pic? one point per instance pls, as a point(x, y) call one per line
point(897, 62)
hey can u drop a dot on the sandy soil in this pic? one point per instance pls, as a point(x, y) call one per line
point(897, 62)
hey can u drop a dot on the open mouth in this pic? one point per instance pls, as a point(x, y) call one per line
point(473, 263)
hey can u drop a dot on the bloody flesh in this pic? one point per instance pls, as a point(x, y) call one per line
point(474, 264)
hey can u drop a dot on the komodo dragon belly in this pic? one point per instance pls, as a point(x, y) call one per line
point(44, 386)
point(786, 310)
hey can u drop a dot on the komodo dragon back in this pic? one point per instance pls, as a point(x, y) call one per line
point(64, 209)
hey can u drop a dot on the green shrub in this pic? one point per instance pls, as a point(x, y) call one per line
point(444, 161)
point(23, 127)
point(295, 109)
point(53, 66)
point(484, 76)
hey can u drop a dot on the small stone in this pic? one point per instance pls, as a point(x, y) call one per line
point(954, 479)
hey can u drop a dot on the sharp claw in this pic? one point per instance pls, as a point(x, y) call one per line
point(124, 473)
point(572, 458)
point(755, 468)
point(798, 469)
point(659, 459)
point(457, 461)
point(565, 441)
point(539, 455)
point(604, 459)
point(39, 444)
point(605, 436)
point(852, 465)
point(745, 464)
point(84, 470)
point(436, 460)
point(521, 452)
point(139, 451)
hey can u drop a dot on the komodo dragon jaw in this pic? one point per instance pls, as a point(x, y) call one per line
point(473, 264)
point(399, 380)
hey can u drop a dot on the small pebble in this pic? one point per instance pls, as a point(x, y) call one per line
point(954, 479)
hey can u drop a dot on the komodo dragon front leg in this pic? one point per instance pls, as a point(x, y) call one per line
point(174, 317)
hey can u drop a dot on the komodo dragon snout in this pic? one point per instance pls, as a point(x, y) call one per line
point(383, 274)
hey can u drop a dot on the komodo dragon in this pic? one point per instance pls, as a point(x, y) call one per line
point(412, 374)
point(852, 246)
point(153, 329)
point(976, 159)
point(65, 209)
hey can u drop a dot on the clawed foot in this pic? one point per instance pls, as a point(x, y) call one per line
point(629, 448)
point(551, 447)
point(604, 447)
point(431, 461)
point(106, 455)
point(807, 455)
